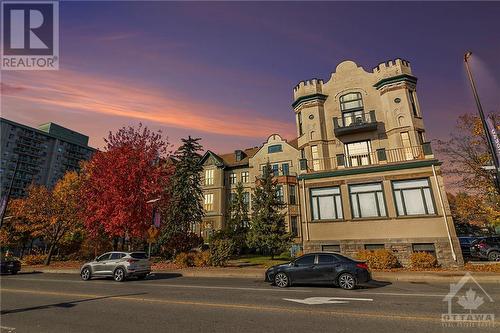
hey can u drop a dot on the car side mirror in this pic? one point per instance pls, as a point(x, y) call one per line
point(96, 259)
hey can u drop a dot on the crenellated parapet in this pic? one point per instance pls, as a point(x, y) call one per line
point(392, 68)
point(308, 87)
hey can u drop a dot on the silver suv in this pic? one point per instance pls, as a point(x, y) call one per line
point(119, 265)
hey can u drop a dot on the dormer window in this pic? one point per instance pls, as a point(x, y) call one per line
point(239, 155)
point(351, 106)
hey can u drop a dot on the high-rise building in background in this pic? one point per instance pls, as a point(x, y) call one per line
point(42, 154)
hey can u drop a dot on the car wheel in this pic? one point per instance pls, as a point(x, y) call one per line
point(346, 281)
point(281, 280)
point(85, 274)
point(119, 275)
point(13, 272)
point(494, 256)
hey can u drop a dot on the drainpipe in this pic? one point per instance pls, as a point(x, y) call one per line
point(305, 210)
point(445, 219)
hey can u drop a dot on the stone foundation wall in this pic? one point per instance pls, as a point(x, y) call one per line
point(401, 248)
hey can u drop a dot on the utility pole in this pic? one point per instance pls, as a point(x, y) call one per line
point(489, 139)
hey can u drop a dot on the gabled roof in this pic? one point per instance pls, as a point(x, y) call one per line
point(230, 158)
point(208, 153)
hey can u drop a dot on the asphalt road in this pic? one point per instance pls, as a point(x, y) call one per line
point(169, 303)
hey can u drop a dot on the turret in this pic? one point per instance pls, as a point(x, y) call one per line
point(308, 87)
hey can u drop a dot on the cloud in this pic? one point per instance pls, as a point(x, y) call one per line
point(8, 89)
point(69, 91)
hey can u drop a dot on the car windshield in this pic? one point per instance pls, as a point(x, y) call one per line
point(139, 255)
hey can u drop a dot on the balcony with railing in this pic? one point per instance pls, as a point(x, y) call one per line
point(354, 122)
point(379, 157)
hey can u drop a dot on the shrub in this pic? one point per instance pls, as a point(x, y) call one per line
point(378, 259)
point(181, 243)
point(201, 259)
point(220, 251)
point(34, 259)
point(183, 260)
point(423, 260)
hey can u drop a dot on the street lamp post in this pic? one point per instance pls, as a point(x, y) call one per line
point(152, 201)
point(489, 139)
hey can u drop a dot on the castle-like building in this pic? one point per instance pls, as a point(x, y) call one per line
point(359, 175)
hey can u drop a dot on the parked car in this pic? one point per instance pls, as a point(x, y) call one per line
point(321, 267)
point(466, 243)
point(9, 265)
point(486, 248)
point(119, 265)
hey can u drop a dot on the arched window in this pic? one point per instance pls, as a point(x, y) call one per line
point(351, 105)
point(351, 101)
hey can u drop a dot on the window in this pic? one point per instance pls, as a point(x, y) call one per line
point(116, 256)
point(421, 137)
point(232, 197)
point(232, 178)
point(209, 202)
point(279, 193)
point(326, 259)
point(413, 197)
point(372, 247)
point(425, 247)
point(209, 177)
point(293, 225)
point(326, 203)
point(307, 260)
point(358, 153)
point(351, 101)
point(411, 94)
point(244, 177)
point(367, 200)
point(405, 140)
point(105, 256)
point(139, 255)
point(274, 149)
point(285, 169)
point(315, 158)
point(292, 195)
point(246, 199)
point(276, 169)
point(302, 153)
point(299, 121)
point(331, 248)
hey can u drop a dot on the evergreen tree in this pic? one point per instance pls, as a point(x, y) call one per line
point(267, 229)
point(237, 219)
point(185, 209)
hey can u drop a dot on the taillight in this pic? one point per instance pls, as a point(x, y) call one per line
point(362, 265)
point(132, 260)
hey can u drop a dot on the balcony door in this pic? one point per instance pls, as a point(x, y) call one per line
point(358, 153)
point(408, 152)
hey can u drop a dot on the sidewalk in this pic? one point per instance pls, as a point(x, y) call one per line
point(258, 273)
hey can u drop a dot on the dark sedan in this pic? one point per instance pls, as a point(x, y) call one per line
point(321, 267)
point(9, 265)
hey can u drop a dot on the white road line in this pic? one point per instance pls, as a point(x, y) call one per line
point(8, 329)
point(326, 300)
point(171, 285)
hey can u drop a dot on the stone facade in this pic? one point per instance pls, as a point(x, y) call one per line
point(364, 174)
point(368, 176)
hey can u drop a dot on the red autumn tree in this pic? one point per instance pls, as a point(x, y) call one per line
point(120, 180)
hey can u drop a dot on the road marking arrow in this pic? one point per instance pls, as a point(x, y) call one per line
point(326, 300)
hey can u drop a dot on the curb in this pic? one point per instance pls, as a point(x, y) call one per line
point(379, 276)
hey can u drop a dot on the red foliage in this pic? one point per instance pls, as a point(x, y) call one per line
point(120, 180)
